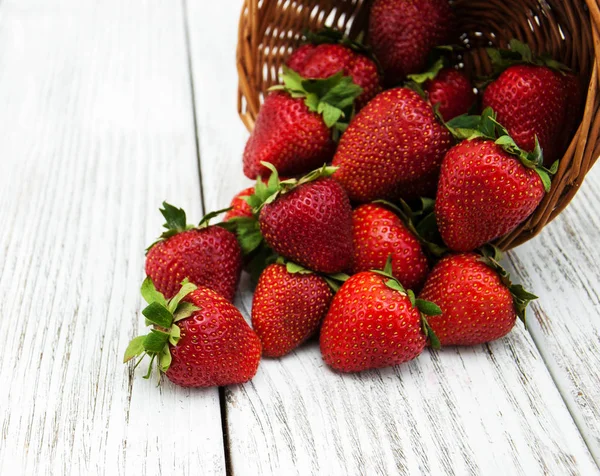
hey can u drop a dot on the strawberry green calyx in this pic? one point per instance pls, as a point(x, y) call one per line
point(439, 58)
point(331, 36)
point(520, 53)
point(162, 315)
point(426, 308)
point(333, 280)
point(332, 97)
point(491, 256)
point(176, 221)
point(486, 127)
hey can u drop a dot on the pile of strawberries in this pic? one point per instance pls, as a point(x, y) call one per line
point(379, 191)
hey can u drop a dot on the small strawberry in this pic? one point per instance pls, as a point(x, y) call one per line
point(206, 255)
point(393, 142)
point(239, 206)
point(295, 125)
point(289, 305)
point(488, 185)
point(373, 322)
point(329, 52)
point(402, 33)
point(198, 337)
point(531, 97)
point(379, 233)
point(478, 302)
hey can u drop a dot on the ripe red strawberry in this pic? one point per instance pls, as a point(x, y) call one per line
point(239, 206)
point(487, 187)
point(373, 322)
point(288, 307)
point(531, 99)
point(293, 130)
point(206, 255)
point(402, 33)
point(309, 221)
point(329, 52)
point(379, 233)
point(199, 338)
point(393, 142)
point(451, 90)
point(478, 302)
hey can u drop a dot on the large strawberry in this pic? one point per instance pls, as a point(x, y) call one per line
point(329, 52)
point(289, 305)
point(295, 126)
point(394, 142)
point(374, 322)
point(308, 221)
point(402, 33)
point(239, 205)
point(206, 255)
point(198, 338)
point(488, 185)
point(533, 97)
point(379, 233)
point(479, 303)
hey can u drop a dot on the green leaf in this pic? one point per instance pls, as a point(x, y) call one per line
point(395, 285)
point(184, 310)
point(150, 294)
point(330, 114)
point(209, 216)
point(388, 265)
point(428, 308)
point(186, 288)
point(294, 268)
point(174, 335)
point(164, 359)
point(546, 181)
point(343, 277)
point(155, 341)
point(135, 348)
point(175, 217)
point(430, 74)
point(291, 79)
point(411, 296)
point(333, 284)
point(158, 315)
point(312, 102)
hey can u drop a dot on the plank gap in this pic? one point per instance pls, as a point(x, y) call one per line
point(225, 428)
point(188, 54)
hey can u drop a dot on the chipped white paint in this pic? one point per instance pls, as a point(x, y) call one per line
point(97, 129)
point(487, 410)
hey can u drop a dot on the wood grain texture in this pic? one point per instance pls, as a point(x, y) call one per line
point(97, 129)
point(486, 410)
point(562, 266)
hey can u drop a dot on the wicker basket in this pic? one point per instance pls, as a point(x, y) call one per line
point(568, 29)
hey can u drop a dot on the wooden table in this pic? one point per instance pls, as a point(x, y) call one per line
point(106, 109)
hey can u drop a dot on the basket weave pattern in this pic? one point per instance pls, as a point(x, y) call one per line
point(567, 29)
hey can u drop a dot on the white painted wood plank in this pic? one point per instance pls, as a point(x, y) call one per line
point(486, 410)
point(562, 266)
point(97, 129)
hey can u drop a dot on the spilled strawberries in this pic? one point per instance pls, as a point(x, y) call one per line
point(401, 173)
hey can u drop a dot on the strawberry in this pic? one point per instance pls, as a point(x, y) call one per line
point(329, 52)
point(478, 302)
point(289, 304)
point(206, 255)
point(239, 206)
point(308, 221)
point(447, 89)
point(488, 185)
point(402, 33)
point(198, 338)
point(294, 127)
point(452, 92)
point(379, 233)
point(393, 142)
point(373, 322)
point(531, 98)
